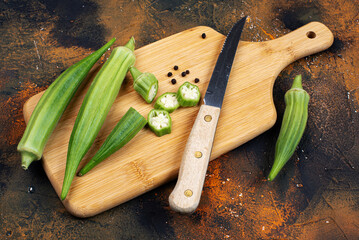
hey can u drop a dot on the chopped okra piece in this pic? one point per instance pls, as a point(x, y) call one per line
point(167, 101)
point(146, 84)
point(159, 122)
point(188, 95)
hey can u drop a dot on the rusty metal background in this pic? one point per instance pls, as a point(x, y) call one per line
point(315, 197)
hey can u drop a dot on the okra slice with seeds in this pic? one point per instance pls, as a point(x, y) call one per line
point(159, 122)
point(145, 84)
point(167, 101)
point(188, 95)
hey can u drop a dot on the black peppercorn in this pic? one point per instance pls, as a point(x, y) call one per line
point(196, 80)
point(173, 81)
point(175, 67)
point(203, 35)
point(183, 74)
point(169, 74)
point(187, 71)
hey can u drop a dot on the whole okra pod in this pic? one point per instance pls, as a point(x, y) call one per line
point(95, 107)
point(293, 125)
point(52, 105)
point(126, 129)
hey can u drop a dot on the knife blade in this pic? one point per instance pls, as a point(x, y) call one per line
point(187, 193)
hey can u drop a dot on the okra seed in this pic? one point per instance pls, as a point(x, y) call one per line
point(188, 193)
point(198, 154)
point(169, 74)
point(183, 74)
point(208, 118)
point(175, 67)
point(187, 71)
point(196, 80)
point(173, 81)
point(203, 35)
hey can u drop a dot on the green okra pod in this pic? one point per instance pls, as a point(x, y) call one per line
point(159, 122)
point(293, 125)
point(95, 107)
point(167, 101)
point(145, 84)
point(127, 128)
point(51, 106)
point(188, 95)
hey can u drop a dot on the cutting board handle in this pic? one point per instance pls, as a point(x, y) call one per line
point(309, 39)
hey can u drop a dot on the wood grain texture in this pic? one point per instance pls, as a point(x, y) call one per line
point(187, 192)
point(147, 161)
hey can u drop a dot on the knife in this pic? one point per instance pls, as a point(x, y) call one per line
point(187, 193)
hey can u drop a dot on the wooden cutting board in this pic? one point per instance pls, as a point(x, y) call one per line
point(149, 161)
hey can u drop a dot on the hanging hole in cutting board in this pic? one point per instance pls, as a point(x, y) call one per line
point(311, 34)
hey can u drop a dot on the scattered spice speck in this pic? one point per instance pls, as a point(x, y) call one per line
point(31, 189)
point(169, 74)
point(204, 35)
point(196, 80)
point(187, 71)
point(175, 67)
point(183, 74)
point(173, 81)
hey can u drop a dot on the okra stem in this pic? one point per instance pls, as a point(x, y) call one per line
point(145, 84)
point(131, 44)
point(135, 73)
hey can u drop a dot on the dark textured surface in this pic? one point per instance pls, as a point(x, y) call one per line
point(316, 195)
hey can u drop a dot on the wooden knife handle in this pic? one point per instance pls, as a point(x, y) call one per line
point(187, 192)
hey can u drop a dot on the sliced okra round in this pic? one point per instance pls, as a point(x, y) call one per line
point(188, 95)
point(159, 122)
point(167, 101)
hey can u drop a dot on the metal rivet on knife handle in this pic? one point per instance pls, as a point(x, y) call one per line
point(208, 118)
point(198, 154)
point(188, 193)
